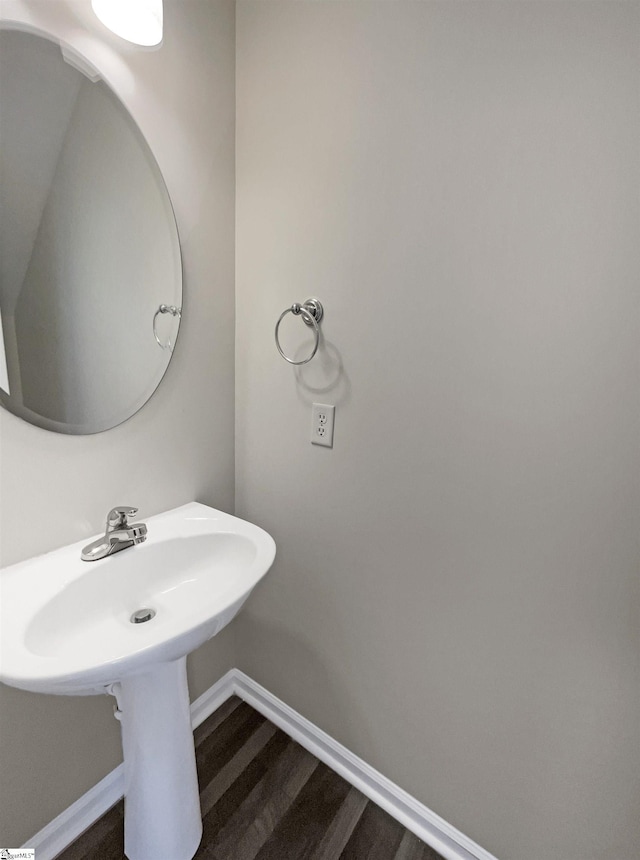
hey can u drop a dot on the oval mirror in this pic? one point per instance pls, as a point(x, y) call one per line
point(90, 267)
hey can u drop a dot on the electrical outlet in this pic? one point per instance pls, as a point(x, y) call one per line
point(322, 424)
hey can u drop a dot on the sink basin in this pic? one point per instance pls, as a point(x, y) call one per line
point(67, 627)
point(66, 623)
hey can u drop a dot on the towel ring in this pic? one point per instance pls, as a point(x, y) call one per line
point(165, 309)
point(311, 312)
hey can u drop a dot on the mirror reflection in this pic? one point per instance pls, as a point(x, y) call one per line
point(89, 250)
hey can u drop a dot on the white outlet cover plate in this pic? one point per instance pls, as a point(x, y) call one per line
point(322, 419)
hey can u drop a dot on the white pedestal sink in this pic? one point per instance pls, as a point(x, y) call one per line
point(66, 629)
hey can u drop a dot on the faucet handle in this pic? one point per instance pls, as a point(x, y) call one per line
point(118, 517)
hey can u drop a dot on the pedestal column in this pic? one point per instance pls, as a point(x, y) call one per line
point(162, 819)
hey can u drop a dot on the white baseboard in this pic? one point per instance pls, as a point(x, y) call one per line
point(435, 831)
point(64, 829)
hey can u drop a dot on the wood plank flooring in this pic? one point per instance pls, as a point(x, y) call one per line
point(264, 797)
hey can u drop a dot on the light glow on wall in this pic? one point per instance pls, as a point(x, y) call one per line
point(137, 21)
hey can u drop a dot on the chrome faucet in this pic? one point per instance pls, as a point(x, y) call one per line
point(119, 534)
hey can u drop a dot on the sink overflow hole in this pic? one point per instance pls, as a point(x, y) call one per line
point(142, 615)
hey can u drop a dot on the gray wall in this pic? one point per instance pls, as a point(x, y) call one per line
point(57, 489)
point(457, 585)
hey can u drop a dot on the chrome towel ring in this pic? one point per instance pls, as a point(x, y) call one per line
point(311, 312)
point(165, 309)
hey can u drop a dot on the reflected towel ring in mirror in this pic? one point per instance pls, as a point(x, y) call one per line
point(311, 312)
point(165, 309)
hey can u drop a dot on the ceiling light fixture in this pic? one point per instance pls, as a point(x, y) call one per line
point(137, 21)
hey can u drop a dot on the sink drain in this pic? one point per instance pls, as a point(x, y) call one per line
point(142, 615)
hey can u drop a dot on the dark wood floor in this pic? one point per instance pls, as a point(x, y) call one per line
point(264, 797)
